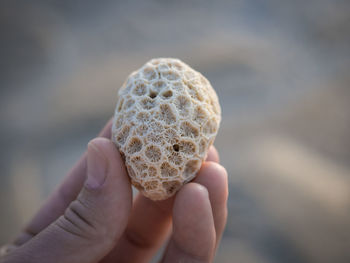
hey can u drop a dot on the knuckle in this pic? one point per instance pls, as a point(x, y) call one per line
point(77, 220)
point(84, 217)
point(67, 226)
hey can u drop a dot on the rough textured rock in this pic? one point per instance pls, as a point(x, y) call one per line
point(166, 117)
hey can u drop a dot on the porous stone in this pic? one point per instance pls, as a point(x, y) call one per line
point(166, 118)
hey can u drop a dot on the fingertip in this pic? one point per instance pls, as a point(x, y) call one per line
point(193, 193)
point(194, 230)
point(212, 155)
point(214, 177)
point(214, 168)
point(100, 143)
point(116, 169)
point(107, 148)
point(192, 204)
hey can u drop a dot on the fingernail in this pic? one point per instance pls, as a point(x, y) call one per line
point(97, 167)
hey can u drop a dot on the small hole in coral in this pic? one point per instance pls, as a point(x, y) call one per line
point(153, 94)
point(176, 147)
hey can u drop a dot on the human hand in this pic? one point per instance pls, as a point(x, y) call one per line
point(91, 217)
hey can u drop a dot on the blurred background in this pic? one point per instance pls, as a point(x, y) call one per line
point(280, 68)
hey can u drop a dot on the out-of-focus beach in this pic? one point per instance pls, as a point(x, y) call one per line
point(281, 71)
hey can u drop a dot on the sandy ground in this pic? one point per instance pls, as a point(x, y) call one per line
point(282, 75)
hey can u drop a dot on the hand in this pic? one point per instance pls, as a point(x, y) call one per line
point(91, 216)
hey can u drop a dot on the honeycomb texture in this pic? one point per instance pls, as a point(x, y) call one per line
point(167, 116)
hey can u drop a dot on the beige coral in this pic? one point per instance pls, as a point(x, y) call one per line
point(166, 117)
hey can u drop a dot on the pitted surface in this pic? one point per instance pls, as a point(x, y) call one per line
point(166, 117)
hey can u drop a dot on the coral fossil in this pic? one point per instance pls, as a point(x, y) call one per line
point(166, 117)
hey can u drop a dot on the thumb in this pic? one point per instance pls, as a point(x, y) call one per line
point(93, 222)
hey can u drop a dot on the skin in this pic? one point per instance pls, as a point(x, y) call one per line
point(91, 216)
